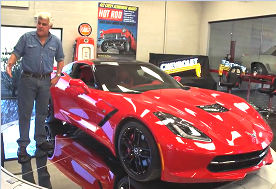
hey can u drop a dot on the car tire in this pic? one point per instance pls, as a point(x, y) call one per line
point(258, 68)
point(127, 46)
point(138, 152)
point(104, 46)
point(123, 183)
point(50, 117)
point(128, 183)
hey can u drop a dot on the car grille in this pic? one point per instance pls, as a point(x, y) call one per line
point(112, 35)
point(235, 162)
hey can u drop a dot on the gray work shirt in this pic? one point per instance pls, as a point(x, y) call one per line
point(37, 58)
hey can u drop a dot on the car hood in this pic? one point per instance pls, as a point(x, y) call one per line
point(191, 103)
point(236, 121)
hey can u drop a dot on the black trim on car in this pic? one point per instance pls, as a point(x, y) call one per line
point(237, 161)
point(107, 117)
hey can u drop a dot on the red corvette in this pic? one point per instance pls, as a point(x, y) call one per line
point(159, 128)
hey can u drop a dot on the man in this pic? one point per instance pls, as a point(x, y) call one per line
point(38, 50)
point(124, 78)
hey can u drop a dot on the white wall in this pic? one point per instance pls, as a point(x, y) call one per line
point(182, 26)
point(182, 29)
point(187, 29)
point(226, 10)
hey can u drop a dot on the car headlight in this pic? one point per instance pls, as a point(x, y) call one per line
point(181, 127)
point(123, 30)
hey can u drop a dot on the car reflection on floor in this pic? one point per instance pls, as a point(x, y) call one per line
point(87, 163)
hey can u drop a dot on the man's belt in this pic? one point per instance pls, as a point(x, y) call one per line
point(35, 75)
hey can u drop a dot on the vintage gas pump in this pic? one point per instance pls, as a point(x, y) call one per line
point(84, 46)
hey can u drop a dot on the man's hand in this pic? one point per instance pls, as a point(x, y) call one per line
point(54, 81)
point(12, 60)
point(59, 68)
point(8, 69)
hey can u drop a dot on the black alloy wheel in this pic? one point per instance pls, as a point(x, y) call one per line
point(138, 152)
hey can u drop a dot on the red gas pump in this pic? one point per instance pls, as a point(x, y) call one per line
point(83, 48)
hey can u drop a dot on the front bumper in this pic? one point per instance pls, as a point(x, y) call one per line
point(115, 43)
point(187, 162)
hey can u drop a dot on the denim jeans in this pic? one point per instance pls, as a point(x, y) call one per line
point(32, 89)
point(42, 171)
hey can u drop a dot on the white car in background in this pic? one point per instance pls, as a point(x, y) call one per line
point(264, 63)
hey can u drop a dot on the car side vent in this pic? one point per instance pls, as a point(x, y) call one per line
point(213, 108)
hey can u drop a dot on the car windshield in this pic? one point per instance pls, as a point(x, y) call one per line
point(132, 77)
point(271, 51)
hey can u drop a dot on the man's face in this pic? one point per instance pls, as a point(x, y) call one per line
point(43, 27)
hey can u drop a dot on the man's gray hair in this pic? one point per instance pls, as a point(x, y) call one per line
point(46, 16)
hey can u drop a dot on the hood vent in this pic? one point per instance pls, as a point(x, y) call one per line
point(214, 108)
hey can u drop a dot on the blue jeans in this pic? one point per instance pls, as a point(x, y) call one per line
point(42, 171)
point(32, 89)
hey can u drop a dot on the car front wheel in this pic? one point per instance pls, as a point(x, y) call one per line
point(104, 46)
point(127, 46)
point(138, 152)
point(259, 68)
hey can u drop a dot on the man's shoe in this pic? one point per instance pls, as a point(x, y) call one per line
point(45, 146)
point(22, 154)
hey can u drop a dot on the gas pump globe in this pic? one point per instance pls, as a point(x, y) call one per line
point(83, 48)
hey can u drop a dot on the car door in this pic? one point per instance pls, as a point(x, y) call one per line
point(86, 109)
point(61, 100)
point(75, 102)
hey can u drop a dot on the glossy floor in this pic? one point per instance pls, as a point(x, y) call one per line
point(84, 163)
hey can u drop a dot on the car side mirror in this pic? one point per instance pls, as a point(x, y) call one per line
point(177, 78)
point(79, 83)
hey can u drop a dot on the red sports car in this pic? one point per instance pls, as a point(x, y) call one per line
point(159, 128)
